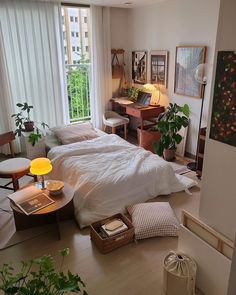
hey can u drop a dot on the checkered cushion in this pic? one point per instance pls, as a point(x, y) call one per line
point(153, 219)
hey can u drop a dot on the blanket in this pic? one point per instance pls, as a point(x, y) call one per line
point(108, 173)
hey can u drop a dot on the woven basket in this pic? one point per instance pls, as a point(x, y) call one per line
point(109, 244)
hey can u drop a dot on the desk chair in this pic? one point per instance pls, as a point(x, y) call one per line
point(113, 120)
point(13, 168)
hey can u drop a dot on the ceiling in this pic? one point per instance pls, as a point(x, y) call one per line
point(116, 3)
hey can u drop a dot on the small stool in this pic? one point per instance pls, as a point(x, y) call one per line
point(14, 168)
point(113, 120)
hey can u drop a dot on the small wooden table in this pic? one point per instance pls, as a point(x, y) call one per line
point(62, 209)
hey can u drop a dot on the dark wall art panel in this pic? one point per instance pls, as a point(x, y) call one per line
point(223, 120)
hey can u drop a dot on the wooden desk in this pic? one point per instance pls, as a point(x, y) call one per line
point(144, 114)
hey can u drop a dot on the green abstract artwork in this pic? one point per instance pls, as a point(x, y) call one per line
point(223, 120)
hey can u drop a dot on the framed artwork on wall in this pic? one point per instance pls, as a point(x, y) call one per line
point(159, 67)
point(139, 67)
point(223, 118)
point(186, 61)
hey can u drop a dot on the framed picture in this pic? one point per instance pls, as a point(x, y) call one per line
point(159, 67)
point(223, 118)
point(186, 61)
point(139, 67)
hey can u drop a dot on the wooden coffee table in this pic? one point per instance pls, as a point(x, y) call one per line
point(62, 209)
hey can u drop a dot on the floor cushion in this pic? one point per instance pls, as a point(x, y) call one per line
point(153, 219)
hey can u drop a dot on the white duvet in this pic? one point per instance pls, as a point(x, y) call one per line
point(108, 173)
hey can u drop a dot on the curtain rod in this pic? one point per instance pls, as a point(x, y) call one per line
point(75, 4)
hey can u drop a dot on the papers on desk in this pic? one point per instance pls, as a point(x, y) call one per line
point(123, 100)
point(30, 199)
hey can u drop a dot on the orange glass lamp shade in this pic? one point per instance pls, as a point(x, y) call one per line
point(40, 167)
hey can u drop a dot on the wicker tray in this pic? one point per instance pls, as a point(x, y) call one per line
point(109, 244)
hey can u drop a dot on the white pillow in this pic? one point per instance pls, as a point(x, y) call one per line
point(75, 133)
point(153, 219)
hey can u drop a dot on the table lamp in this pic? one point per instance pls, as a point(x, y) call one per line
point(40, 167)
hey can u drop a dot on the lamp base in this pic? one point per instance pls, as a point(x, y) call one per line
point(192, 166)
point(40, 184)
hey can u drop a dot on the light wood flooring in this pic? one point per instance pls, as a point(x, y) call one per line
point(134, 269)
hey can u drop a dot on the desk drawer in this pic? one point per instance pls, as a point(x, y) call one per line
point(152, 113)
point(133, 112)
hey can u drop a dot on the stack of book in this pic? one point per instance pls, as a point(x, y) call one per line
point(113, 227)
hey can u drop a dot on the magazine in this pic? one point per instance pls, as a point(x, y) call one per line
point(30, 199)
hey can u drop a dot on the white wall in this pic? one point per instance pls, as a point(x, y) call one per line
point(164, 26)
point(218, 201)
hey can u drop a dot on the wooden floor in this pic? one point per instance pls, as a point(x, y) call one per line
point(134, 269)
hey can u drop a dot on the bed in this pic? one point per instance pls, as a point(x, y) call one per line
point(108, 173)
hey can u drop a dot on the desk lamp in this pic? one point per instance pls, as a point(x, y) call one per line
point(40, 167)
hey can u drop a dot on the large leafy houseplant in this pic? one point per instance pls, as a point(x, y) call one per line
point(169, 124)
point(39, 277)
point(25, 124)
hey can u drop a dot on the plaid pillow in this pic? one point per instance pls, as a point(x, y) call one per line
point(153, 219)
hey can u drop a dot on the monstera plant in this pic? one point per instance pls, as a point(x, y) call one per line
point(169, 124)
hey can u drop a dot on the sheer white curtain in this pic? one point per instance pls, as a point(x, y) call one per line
point(101, 86)
point(31, 61)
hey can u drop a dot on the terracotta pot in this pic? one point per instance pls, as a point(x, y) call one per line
point(29, 126)
point(147, 137)
point(169, 155)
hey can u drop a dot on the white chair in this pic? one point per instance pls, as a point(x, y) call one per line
point(113, 120)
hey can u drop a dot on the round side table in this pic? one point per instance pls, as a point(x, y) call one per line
point(62, 209)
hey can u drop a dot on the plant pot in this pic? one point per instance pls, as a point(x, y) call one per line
point(147, 137)
point(169, 155)
point(29, 126)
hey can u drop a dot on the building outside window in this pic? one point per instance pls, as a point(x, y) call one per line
point(77, 60)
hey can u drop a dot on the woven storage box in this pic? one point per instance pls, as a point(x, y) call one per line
point(109, 244)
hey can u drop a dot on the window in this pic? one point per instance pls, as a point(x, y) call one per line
point(76, 64)
point(63, 19)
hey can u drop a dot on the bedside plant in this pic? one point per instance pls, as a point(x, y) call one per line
point(25, 124)
point(39, 276)
point(169, 125)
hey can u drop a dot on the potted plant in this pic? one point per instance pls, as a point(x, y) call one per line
point(39, 276)
point(25, 124)
point(169, 124)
